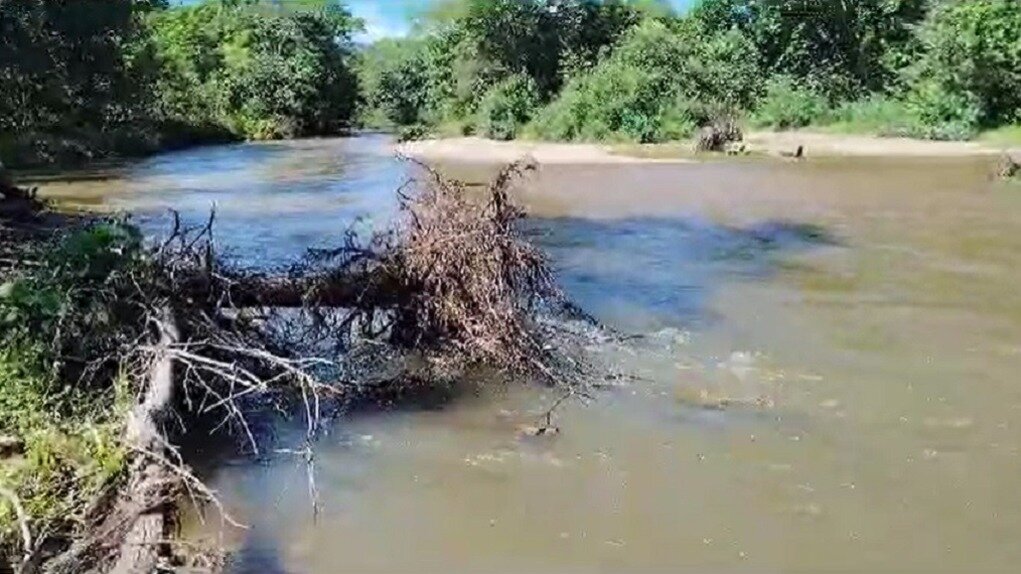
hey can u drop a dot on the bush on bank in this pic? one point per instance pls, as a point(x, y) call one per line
point(93, 78)
point(939, 70)
point(62, 397)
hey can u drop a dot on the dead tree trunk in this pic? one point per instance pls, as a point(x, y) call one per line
point(135, 528)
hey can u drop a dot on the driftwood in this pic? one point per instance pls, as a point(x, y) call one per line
point(717, 135)
point(1009, 166)
point(133, 528)
point(799, 153)
point(148, 485)
point(329, 289)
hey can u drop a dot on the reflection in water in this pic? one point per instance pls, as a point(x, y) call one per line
point(272, 200)
point(828, 380)
point(258, 555)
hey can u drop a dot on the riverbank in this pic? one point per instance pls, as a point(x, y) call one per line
point(779, 144)
point(834, 144)
point(79, 148)
point(479, 150)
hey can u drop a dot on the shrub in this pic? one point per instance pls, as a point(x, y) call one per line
point(944, 113)
point(507, 106)
point(879, 115)
point(633, 96)
point(615, 102)
point(970, 69)
point(789, 105)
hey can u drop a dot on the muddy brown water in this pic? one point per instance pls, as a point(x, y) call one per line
point(829, 373)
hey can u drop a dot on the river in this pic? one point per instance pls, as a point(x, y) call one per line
point(830, 378)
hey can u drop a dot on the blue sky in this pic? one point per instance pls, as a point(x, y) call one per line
point(390, 17)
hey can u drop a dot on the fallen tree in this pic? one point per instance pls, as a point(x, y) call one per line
point(452, 287)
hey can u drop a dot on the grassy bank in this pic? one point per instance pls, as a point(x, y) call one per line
point(1007, 136)
point(63, 400)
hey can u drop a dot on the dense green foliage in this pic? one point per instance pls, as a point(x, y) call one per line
point(659, 84)
point(94, 77)
point(786, 104)
point(507, 106)
point(396, 82)
point(260, 73)
point(838, 48)
point(969, 73)
point(634, 71)
point(465, 49)
point(72, 77)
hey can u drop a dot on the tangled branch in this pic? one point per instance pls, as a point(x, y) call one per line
point(452, 288)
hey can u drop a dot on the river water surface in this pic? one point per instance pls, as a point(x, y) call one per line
point(829, 378)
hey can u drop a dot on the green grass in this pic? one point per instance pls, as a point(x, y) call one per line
point(68, 458)
point(1006, 136)
point(69, 426)
point(873, 116)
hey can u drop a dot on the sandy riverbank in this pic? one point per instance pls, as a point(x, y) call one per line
point(479, 150)
point(824, 144)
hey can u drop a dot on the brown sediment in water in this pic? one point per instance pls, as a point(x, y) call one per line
point(889, 353)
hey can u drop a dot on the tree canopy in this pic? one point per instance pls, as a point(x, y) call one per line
point(614, 69)
point(93, 77)
point(86, 78)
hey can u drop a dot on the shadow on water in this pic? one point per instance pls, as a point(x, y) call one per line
point(258, 555)
point(646, 273)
